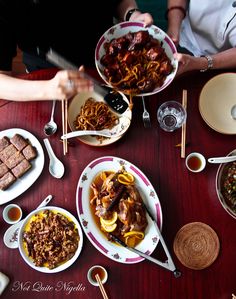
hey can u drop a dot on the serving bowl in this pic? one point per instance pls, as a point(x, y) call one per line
point(121, 29)
point(79, 100)
point(224, 185)
point(25, 227)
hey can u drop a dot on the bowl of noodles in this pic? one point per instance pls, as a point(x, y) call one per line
point(89, 111)
point(136, 60)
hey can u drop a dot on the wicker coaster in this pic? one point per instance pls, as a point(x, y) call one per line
point(196, 245)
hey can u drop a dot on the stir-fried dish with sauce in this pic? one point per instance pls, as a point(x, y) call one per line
point(51, 239)
point(118, 207)
point(136, 63)
point(229, 186)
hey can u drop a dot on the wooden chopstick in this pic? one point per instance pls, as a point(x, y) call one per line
point(66, 119)
point(64, 123)
point(104, 294)
point(183, 135)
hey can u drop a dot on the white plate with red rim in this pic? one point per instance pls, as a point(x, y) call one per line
point(96, 237)
point(24, 182)
point(123, 28)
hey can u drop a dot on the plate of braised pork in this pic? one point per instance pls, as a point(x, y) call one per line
point(135, 59)
point(21, 162)
point(109, 198)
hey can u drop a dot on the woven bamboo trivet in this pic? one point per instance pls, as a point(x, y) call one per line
point(196, 245)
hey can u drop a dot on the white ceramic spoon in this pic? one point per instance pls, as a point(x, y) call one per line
point(56, 168)
point(222, 159)
point(10, 237)
point(117, 131)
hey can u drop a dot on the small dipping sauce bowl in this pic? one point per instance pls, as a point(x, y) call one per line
point(195, 162)
point(97, 269)
point(12, 213)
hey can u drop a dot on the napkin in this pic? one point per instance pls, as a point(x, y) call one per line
point(4, 280)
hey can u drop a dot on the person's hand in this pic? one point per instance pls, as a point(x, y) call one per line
point(187, 63)
point(66, 84)
point(146, 18)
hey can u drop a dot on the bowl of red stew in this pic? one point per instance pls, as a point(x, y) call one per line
point(135, 59)
point(226, 185)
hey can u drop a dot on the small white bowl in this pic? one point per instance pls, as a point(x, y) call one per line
point(195, 162)
point(97, 269)
point(12, 213)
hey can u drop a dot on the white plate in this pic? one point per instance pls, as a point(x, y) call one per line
point(23, 183)
point(74, 110)
point(217, 98)
point(121, 29)
point(97, 238)
point(63, 266)
point(220, 175)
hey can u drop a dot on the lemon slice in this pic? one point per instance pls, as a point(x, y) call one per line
point(134, 233)
point(110, 221)
point(126, 178)
point(109, 228)
point(131, 241)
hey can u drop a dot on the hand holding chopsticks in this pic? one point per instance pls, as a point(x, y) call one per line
point(104, 294)
point(183, 135)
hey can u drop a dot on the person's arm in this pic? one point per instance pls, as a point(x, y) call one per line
point(222, 60)
point(127, 6)
point(176, 10)
point(59, 87)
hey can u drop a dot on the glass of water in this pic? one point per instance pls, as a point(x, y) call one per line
point(171, 115)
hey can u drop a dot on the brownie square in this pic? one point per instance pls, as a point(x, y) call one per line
point(4, 142)
point(19, 142)
point(13, 160)
point(3, 169)
point(21, 168)
point(7, 152)
point(7, 180)
point(29, 152)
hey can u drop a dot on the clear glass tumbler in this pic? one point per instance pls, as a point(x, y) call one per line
point(171, 115)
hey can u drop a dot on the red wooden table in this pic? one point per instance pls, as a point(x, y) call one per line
point(185, 197)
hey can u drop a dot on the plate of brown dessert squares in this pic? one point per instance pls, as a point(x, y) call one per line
point(21, 162)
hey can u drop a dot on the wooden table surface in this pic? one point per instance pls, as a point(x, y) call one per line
point(185, 197)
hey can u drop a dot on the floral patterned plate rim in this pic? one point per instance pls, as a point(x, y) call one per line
point(148, 194)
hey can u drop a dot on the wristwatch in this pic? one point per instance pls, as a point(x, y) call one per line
point(209, 63)
point(129, 13)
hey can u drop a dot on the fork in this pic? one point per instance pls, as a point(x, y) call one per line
point(146, 116)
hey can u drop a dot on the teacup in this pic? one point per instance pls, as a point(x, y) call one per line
point(195, 162)
point(101, 271)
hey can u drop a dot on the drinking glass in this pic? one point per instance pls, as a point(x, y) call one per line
point(171, 115)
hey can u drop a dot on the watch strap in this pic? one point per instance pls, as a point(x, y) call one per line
point(209, 63)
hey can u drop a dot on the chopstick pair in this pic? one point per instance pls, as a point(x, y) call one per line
point(64, 111)
point(104, 294)
point(183, 135)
